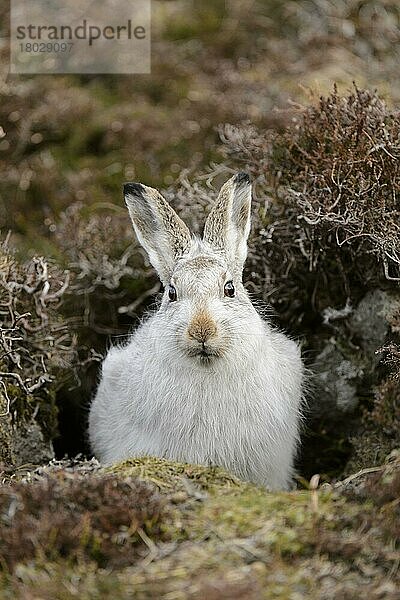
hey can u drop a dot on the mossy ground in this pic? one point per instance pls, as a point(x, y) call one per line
point(211, 536)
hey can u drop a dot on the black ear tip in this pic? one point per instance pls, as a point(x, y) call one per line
point(134, 189)
point(242, 178)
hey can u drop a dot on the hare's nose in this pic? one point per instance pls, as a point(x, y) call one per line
point(202, 327)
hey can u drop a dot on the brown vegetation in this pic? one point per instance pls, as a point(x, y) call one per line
point(70, 516)
point(330, 229)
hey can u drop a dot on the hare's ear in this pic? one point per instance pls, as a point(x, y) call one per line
point(160, 231)
point(228, 224)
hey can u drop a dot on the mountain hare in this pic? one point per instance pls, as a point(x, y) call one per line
point(205, 379)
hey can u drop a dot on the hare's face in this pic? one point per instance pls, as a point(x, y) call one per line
point(204, 308)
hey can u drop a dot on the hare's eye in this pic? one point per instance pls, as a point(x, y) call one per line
point(172, 293)
point(229, 289)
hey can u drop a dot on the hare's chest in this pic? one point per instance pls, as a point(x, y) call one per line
point(202, 419)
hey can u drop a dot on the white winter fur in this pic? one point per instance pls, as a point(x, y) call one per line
point(239, 405)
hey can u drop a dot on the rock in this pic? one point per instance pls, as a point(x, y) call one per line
point(29, 445)
point(370, 322)
point(350, 357)
point(336, 382)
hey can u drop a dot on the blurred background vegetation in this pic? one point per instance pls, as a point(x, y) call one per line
point(234, 85)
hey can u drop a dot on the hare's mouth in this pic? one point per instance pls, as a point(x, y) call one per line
point(204, 353)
